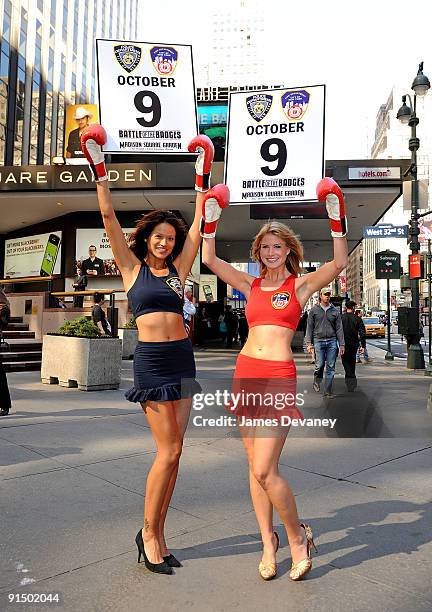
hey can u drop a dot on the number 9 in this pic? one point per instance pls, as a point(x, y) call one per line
point(154, 109)
point(280, 156)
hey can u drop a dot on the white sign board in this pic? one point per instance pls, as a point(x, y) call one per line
point(38, 255)
point(275, 145)
point(146, 96)
point(374, 174)
point(208, 288)
point(86, 238)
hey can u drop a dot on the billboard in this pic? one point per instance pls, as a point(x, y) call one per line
point(87, 240)
point(78, 117)
point(146, 96)
point(38, 255)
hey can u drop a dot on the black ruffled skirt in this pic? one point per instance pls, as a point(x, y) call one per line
point(163, 371)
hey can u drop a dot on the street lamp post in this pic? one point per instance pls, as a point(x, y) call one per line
point(407, 115)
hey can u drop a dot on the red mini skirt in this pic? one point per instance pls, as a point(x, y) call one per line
point(264, 389)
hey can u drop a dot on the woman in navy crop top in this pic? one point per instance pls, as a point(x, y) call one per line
point(154, 265)
point(274, 304)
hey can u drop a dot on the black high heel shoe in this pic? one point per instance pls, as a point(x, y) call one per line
point(172, 561)
point(157, 568)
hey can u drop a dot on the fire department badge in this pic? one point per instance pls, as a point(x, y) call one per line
point(259, 105)
point(164, 59)
point(295, 104)
point(128, 56)
point(280, 300)
point(175, 284)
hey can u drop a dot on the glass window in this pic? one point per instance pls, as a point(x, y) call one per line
point(40, 5)
point(4, 65)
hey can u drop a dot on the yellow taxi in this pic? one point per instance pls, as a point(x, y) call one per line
point(374, 327)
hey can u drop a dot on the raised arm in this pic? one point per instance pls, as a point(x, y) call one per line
point(91, 142)
point(328, 191)
point(202, 145)
point(225, 271)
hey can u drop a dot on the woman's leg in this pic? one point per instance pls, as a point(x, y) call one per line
point(182, 410)
point(163, 424)
point(266, 455)
point(260, 500)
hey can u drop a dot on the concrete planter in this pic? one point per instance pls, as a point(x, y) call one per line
point(129, 338)
point(91, 364)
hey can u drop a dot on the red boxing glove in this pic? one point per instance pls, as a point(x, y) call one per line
point(203, 145)
point(214, 201)
point(328, 191)
point(91, 142)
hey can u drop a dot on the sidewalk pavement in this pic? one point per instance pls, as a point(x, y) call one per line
point(73, 467)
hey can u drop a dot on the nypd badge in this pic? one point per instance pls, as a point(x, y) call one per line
point(164, 59)
point(280, 300)
point(295, 103)
point(259, 105)
point(128, 56)
point(175, 284)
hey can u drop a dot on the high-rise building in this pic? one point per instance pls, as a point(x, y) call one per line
point(238, 43)
point(47, 61)
point(391, 142)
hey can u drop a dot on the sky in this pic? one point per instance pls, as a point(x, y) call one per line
point(358, 49)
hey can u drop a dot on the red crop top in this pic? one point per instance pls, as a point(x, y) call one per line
point(280, 307)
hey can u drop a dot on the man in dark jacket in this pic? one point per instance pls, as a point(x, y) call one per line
point(324, 334)
point(354, 332)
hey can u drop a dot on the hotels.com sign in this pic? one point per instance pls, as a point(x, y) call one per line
point(374, 174)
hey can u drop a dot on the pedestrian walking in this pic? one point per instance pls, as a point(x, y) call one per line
point(231, 322)
point(5, 400)
point(154, 265)
point(355, 340)
point(275, 302)
point(99, 316)
point(324, 334)
point(365, 353)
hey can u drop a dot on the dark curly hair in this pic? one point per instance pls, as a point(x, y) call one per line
point(146, 225)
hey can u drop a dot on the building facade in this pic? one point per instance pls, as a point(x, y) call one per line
point(391, 142)
point(354, 274)
point(48, 61)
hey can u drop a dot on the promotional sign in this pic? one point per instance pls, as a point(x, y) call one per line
point(373, 174)
point(78, 117)
point(38, 255)
point(387, 265)
point(88, 239)
point(342, 284)
point(425, 229)
point(416, 266)
point(275, 145)
point(208, 288)
point(212, 115)
point(146, 96)
point(386, 231)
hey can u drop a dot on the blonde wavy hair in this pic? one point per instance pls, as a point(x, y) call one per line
point(295, 256)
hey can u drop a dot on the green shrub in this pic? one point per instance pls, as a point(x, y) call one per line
point(131, 324)
point(80, 327)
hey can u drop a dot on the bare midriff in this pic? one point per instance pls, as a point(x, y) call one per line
point(161, 327)
point(270, 342)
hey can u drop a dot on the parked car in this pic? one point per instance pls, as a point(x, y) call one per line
point(374, 327)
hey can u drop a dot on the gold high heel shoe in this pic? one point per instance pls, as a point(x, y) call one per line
point(303, 567)
point(267, 571)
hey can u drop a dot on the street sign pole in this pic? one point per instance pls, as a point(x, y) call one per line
point(389, 355)
point(428, 370)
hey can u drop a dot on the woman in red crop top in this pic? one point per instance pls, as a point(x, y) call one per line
point(154, 266)
point(274, 305)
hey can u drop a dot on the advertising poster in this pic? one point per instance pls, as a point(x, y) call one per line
point(78, 117)
point(275, 145)
point(93, 251)
point(208, 288)
point(146, 96)
point(38, 255)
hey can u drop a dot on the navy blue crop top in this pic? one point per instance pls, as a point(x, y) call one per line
point(151, 293)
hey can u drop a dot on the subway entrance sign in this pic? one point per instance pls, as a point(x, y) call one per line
point(387, 265)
